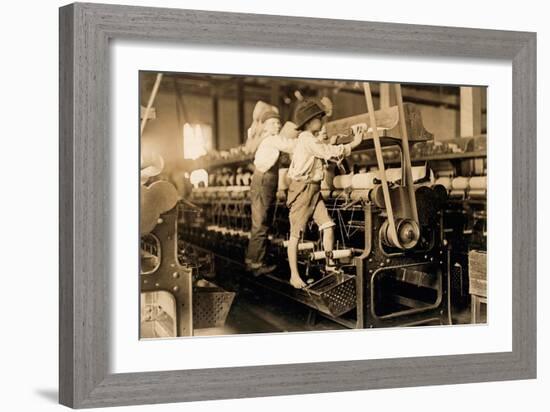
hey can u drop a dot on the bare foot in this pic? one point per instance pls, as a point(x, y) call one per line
point(297, 282)
point(330, 269)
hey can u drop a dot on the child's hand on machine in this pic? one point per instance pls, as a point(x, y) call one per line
point(357, 130)
point(357, 139)
point(334, 139)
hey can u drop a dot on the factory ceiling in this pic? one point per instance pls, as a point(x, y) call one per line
point(254, 88)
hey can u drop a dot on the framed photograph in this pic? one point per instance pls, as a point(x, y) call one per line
point(257, 205)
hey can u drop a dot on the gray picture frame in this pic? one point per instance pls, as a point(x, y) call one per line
point(85, 32)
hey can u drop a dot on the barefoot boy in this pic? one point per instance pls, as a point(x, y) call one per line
point(307, 171)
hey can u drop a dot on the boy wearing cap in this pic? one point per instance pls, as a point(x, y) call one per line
point(307, 171)
point(263, 189)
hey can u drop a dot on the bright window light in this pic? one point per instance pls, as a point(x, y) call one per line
point(197, 140)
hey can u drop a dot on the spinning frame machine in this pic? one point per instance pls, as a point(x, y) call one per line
point(404, 239)
point(176, 297)
point(395, 265)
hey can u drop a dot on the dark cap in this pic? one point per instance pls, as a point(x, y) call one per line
point(307, 110)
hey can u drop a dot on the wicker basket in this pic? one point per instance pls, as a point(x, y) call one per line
point(477, 262)
point(211, 306)
point(333, 294)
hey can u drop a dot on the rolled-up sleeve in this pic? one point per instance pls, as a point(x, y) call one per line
point(285, 144)
point(328, 151)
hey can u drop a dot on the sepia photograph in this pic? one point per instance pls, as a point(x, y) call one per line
point(280, 205)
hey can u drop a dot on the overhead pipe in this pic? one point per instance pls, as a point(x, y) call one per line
point(150, 102)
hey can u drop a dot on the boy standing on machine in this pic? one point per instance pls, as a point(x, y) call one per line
point(307, 171)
